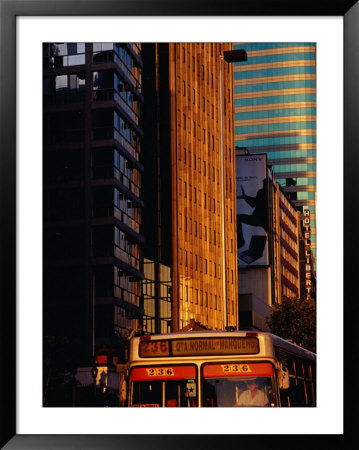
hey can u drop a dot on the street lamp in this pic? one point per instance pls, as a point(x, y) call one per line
point(230, 56)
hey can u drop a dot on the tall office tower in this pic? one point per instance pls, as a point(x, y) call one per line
point(275, 113)
point(192, 149)
point(92, 180)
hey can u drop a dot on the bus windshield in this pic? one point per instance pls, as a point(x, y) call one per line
point(174, 386)
point(243, 385)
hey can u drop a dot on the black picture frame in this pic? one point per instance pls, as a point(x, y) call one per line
point(9, 10)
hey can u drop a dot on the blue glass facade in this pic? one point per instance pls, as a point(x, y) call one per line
point(275, 113)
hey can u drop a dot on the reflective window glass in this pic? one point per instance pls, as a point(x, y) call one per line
point(274, 72)
point(274, 45)
point(275, 99)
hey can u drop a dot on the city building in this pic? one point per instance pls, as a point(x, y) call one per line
point(268, 230)
point(289, 234)
point(93, 265)
point(189, 186)
point(275, 113)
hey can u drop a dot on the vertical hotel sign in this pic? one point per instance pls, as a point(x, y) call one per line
point(252, 210)
point(308, 266)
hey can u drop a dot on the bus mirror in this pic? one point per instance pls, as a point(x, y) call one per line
point(283, 377)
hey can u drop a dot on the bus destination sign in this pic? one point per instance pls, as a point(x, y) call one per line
point(214, 346)
point(151, 349)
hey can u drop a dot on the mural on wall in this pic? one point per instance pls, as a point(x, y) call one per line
point(252, 210)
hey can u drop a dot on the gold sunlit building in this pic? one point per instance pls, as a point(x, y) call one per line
point(189, 137)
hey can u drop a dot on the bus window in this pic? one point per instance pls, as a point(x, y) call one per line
point(179, 393)
point(227, 385)
point(310, 385)
point(301, 391)
point(145, 393)
point(174, 386)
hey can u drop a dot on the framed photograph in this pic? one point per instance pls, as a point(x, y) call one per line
point(24, 26)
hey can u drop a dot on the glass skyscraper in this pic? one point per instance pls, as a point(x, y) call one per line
point(275, 113)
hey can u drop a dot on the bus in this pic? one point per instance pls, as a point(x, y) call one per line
point(217, 369)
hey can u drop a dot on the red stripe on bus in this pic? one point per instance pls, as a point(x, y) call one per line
point(237, 370)
point(163, 373)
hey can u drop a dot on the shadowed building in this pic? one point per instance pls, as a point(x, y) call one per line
point(92, 207)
